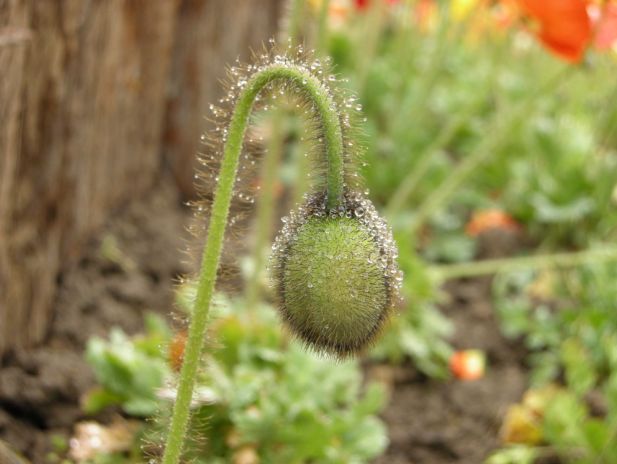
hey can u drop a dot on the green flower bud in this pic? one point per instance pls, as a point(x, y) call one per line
point(336, 274)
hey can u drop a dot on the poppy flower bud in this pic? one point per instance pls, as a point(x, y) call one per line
point(336, 274)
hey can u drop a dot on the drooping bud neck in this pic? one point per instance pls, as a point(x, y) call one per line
point(313, 90)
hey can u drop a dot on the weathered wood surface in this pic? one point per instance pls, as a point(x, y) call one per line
point(93, 95)
point(201, 51)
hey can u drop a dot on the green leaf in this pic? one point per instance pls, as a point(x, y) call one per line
point(514, 455)
point(98, 399)
point(580, 374)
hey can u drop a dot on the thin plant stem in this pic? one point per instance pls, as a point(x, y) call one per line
point(416, 96)
point(333, 142)
point(373, 29)
point(411, 180)
point(294, 25)
point(322, 28)
point(494, 266)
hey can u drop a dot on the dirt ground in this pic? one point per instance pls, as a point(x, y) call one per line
point(433, 422)
point(130, 269)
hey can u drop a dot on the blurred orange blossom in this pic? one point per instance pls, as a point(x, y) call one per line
point(563, 26)
point(468, 364)
point(569, 27)
point(605, 18)
point(490, 219)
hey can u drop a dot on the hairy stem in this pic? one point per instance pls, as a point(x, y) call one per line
point(333, 147)
point(493, 266)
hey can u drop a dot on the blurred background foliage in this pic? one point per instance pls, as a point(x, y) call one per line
point(480, 116)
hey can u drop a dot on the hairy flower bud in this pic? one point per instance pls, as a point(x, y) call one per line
point(336, 274)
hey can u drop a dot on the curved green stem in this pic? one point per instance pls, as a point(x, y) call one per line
point(333, 141)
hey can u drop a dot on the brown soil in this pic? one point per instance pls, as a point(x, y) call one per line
point(131, 269)
point(128, 271)
point(434, 422)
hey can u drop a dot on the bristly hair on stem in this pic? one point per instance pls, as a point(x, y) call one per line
point(294, 92)
point(329, 113)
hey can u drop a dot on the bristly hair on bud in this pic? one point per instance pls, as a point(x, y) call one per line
point(336, 274)
point(334, 263)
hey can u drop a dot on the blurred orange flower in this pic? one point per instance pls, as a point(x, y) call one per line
point(563, 26)
point(426, 14)
point(468, 364)
point(488, 219)
point(606, 27)
point(175, 351)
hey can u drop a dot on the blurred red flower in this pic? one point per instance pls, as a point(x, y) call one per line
point(563, 26)
point(363, 4)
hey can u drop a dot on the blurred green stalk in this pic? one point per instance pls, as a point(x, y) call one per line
point(264, 217)
point(494, 266)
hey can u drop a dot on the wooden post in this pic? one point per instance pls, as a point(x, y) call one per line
point(85, 117)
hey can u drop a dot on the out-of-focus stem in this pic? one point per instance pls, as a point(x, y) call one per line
point(322, 28)
point(494, 266)
point(294, 25)
point(411, 180)
point(265, 206)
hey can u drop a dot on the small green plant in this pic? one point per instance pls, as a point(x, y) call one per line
point(271, 399)
point(129, 370)
point(571, 410)
point(341, 317)
point(259, 395)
